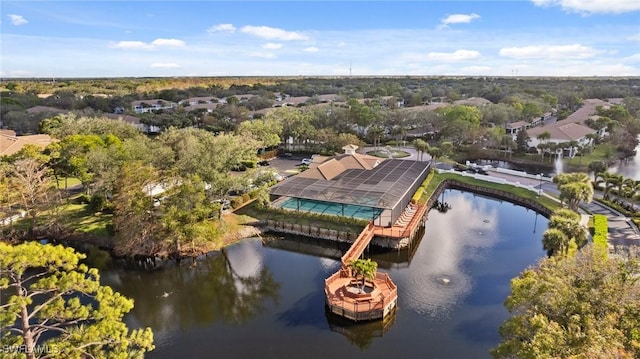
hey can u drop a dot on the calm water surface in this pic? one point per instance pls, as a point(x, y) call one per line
point(256, 301)
point(629, 168)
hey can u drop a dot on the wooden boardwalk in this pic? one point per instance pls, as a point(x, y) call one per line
point(359, 245)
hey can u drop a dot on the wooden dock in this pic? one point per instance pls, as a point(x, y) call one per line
point(343, 300)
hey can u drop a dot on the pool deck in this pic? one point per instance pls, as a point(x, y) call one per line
point(401, 229)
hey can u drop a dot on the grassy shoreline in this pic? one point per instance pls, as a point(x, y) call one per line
point(84, 226)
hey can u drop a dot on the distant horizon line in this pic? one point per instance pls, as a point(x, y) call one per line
point(36, 78)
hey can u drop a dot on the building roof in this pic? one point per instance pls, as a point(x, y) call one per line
point(473, 101)
point(202, 106)
point(122, 117)
point(204, 99)
point(562, 131)
point(155, 101)
point(517, 124)
point(39, 109)
point(382, 186)
point(588, 108)
point(323, 167)
point(10, 144)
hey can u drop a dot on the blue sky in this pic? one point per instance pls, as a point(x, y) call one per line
point(292, 38)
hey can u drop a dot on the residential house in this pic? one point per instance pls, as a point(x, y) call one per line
point(192, 101)
point(144, 106)
point(134, 121)
point(513, 128)
point(473, 101)
point(562, 132)
point(11, 144)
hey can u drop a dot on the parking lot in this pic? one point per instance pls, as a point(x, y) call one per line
point(286, 166)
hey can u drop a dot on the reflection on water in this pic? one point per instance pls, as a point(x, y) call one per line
point(437, 279)
point(257, 301)
point(229, 288)
point(629, 168)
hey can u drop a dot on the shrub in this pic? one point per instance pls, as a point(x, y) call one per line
point(249, 164)
point(83, 199)
point(236, 202)
point(416, 196)
point(600, 230)
point(97, 203)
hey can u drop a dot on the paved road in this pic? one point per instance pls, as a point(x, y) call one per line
point(622, 231)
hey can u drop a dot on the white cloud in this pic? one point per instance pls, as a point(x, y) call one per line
point(593, 6)
point(140, 45)
point(17, 20)
point(632, 58)
point(132, 45)
point(457, 19)
point(458, 55)
point(575, 51)
point(272, 33)
point(168, 43)
point(222, 28)
point(311, 49)
point(264, 55)
point(271, 46)
point(165, 65)
point(635, 37)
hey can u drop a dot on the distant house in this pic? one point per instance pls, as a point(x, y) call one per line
point(473, 101)
point(291, 101)
point(47, 109)
point(562, 132)
point(513, 128)
point(144, 106)
point(192, 101)
point(208, 107)
point(11, 144)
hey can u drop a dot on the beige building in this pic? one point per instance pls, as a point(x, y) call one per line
point(11, 144)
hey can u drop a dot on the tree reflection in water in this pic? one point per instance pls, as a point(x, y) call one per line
point(197, 295)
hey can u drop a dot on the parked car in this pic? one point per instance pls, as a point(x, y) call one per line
point(263, 163)
point(306, 161)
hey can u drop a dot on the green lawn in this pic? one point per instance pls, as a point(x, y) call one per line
point(394, 153)
point(602, 152)
point(71, 181)
point(78, 218)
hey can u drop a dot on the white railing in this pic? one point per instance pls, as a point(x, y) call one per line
point(522, 174)
point(488, 178)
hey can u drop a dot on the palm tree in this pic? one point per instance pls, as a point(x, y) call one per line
point(630, 187)
point(555, 241)
point(434, 152)
point(570, 226)
point(363, 268)
point(421, 146)
point(608, 179)
point(543, 137)
point(543, 148)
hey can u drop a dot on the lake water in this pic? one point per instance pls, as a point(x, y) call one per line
point(629, 168)
point(257, 301)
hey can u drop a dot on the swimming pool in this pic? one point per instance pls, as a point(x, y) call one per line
point(330, 208)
